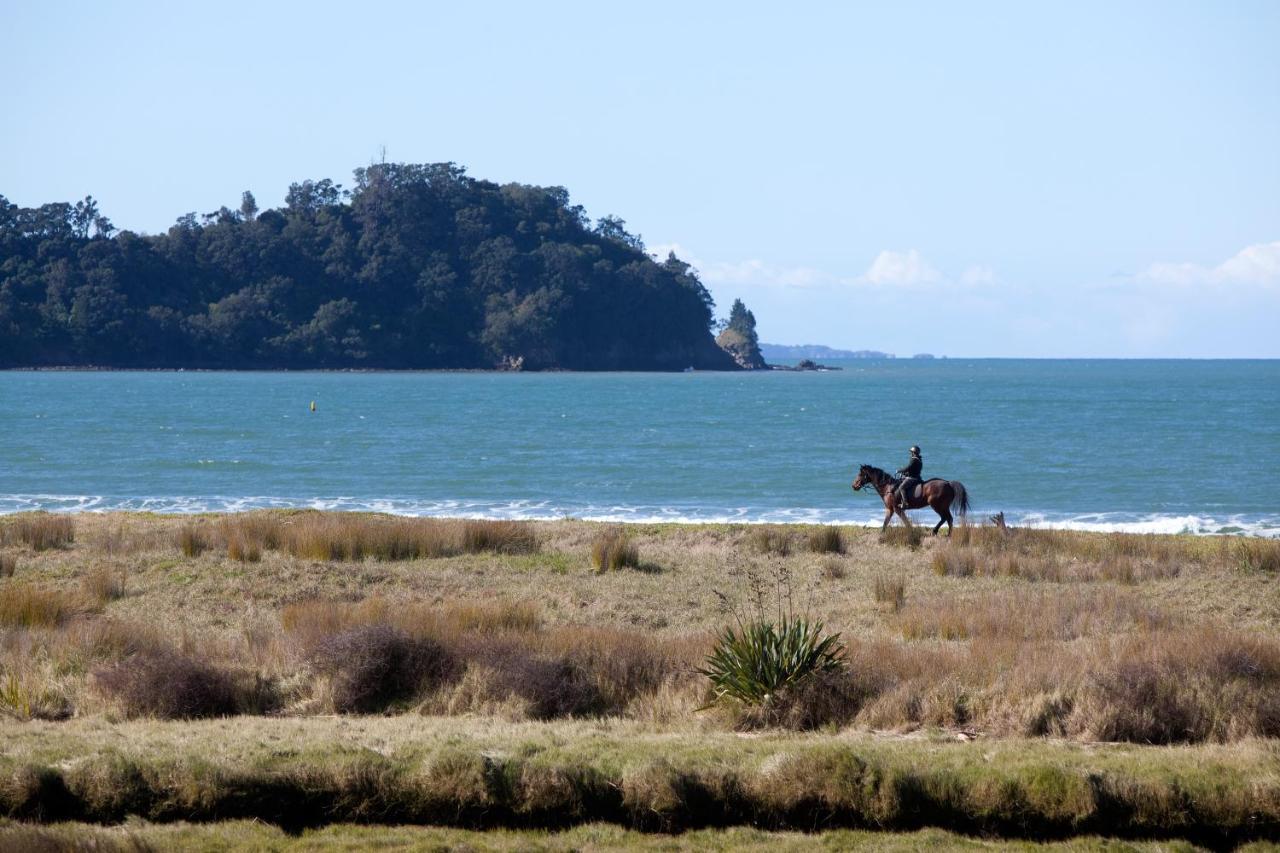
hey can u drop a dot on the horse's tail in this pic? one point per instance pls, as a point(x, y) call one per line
point(961, 498)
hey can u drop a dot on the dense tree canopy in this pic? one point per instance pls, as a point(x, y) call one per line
point(416, 266)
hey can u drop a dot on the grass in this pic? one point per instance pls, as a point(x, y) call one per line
point(890, 591)
point(396, 770)
point(1019, 639)
point(8, 565)
point(136, 836)
point(24, 605)
point(38, 530)
point(613, 549)
point(826, 540)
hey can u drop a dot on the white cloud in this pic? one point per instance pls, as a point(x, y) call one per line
point(978, 274)
point(1257, 264)
point(907, 267)
point(752, 271)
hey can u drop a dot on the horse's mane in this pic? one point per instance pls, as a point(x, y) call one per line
point(871, 469)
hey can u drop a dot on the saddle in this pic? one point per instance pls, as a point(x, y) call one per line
point(914, 492)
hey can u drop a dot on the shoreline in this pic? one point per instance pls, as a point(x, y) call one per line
point(1151, 525)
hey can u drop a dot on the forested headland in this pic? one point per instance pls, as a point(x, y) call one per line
point(416, 266)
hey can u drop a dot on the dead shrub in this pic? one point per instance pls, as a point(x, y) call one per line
point(104, 584)
point(824, 699)
point(770, 539)
point(28, 606)
point(613, 549)
point(370, 667)
point(39, 530)
point(890, 591)
point(503, 537)
point(168, 685)
point(826, 540)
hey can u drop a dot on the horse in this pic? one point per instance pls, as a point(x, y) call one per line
point(937, 493)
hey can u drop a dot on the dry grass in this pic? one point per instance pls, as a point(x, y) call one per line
point(890, 591)
point(192, 541)
point(613, 549)
point(1028, 615)
point(38, 530)
point(770, 539)
point(902, 537)
point(104, 584)
point(28, 606)
point(8, 565)
point(826, 540)
point(834, 569)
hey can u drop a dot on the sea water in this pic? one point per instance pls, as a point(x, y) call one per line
point(1151, 446)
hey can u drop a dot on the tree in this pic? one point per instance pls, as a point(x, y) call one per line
point(248, 206)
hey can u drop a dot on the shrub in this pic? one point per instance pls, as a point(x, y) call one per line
point(504, 537)
point(103, 585)
point(169, 685)
point(40, 530)
point(191, 541)
point(826, 540)
point(890, 591)
point(372, 666)
point(613, 549)
point(754, 661)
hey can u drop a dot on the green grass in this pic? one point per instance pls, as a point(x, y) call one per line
point(468, 774)
point(250, 835)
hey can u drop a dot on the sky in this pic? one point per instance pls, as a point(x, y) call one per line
point(1071, 179)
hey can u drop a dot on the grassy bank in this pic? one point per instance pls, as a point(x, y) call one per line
point(476, 773)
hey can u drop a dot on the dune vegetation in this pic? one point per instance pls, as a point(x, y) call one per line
point(544, 675)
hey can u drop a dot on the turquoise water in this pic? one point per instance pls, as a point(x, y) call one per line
point(1135, 445)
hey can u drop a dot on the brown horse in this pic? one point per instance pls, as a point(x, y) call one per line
point(936, 493)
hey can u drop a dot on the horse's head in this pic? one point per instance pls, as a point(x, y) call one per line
point(862, 479)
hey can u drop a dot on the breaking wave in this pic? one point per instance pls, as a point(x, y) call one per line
point(1112, 522)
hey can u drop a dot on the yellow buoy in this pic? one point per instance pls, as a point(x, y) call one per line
point(313, 405)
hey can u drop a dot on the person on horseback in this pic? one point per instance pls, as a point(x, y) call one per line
point(910, 477)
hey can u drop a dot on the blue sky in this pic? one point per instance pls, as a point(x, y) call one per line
point(986, 179)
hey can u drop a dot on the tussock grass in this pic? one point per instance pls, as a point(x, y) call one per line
point(24, 605)
point(40, 531)
point(8, 565)
point(104, 584)
point(902, 537)
point(613, 549)
point(1254, 555)
point(890, 591)
point(192, 541)
point(826, 540)
point(834, 569)
point(354, 536)
point(770, 539)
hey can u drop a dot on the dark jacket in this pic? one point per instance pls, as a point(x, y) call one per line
point(912, 468)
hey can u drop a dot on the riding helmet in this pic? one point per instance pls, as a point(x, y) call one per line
point(915, 450)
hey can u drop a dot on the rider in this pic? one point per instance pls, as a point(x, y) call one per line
point(910, 475)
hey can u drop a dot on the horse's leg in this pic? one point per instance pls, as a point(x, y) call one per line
point(903, 515)
point(888, 516)
point(941, 519)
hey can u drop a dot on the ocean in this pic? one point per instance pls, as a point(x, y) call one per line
point(1143, 446)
